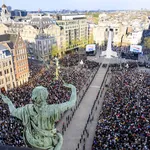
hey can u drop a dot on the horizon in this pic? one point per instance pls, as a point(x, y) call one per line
point(81, 5)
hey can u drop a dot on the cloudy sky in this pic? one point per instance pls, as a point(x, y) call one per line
point(78, 4)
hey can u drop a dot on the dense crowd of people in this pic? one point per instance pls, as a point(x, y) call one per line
point(124, 122)
point(75, 59)
point(129, 64)
point(10, 127)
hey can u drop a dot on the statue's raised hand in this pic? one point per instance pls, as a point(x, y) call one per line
point(5, 99)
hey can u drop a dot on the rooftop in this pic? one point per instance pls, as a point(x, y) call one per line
point(4, 6)
point(10, 39)
point(4, 52)
point(2, 47)
point(38, 21)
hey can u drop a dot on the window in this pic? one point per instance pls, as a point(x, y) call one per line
point(1, 82)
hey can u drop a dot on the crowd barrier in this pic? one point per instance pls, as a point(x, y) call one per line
point(85, 133)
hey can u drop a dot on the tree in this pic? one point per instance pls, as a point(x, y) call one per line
point(67, 45)
point(83, 41)
point(95, 16)
point(78, 42)
point(55, 51)
point(147, 42)
point(64, 46)
point(91, 39)
point(73, 43)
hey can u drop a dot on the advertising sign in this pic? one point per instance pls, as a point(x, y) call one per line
point(136, 48)
point(90, 48)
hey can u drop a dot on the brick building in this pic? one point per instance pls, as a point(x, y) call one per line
point(18, 49)
point(7, 75)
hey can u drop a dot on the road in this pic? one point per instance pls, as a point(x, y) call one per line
point(76, 127)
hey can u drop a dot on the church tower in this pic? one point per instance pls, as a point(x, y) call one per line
point(5, 15)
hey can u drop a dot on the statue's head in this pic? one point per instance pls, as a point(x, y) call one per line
point(39, 95)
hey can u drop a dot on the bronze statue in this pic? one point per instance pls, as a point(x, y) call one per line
point(39, 118)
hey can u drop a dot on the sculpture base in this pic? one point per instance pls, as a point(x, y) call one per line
point(109, 54)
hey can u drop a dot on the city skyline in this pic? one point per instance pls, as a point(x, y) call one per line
point(79, 4)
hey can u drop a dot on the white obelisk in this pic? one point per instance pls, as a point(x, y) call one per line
point(109, 53)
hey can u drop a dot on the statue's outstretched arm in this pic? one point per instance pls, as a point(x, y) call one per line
point(8, 102)
point(16, 112)
point(67, 105)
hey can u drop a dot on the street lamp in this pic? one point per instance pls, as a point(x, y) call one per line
point(57, 68)
point(68, 66)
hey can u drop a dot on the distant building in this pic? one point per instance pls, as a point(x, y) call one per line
point(71, 17)
point(132, 38)
point(43, 47)
point(129, 30)
point(90, 33)
point(5, 15)
point(126, 26)
point(75, 28)
point(17, 47)
point(146, 33)
point(7, 74)
point(38, 19)
point(101, 32)
point(19, 13)
point(58, 35)
point(9, 8)
point(30, 31)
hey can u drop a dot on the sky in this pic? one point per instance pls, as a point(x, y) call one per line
point(78, 4)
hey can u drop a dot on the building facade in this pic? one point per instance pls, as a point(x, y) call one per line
point(69, 31)
point(7, 74)
point(43, 47)
point(21, 61)
point(90, 33)
point(30, 30)
point(75, 29)
point(132, 38)
point(29, 33)
point(58, 35)
point(17, 47)
point(100, 32)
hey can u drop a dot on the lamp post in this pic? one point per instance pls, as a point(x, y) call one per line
point(57, 68)
point(68, 66)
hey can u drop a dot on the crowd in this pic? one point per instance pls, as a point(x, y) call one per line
point(146, 51)
point(124, 121)
point(11, 129)
point(75, 59)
